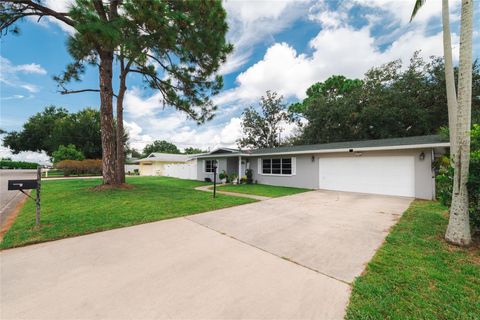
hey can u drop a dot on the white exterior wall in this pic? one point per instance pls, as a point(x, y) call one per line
point(307, 169)
point(182, 170)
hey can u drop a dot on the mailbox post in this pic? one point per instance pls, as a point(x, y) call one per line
point(37, 199)
point(215, 179)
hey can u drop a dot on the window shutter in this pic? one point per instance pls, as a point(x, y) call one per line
point(294, 166)
point(204, 165)
point(259, 166)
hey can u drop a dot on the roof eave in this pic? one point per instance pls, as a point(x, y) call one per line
point(383, 148)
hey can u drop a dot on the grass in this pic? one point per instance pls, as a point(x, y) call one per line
point(262, 190)
point(71, 208)
point(417, 275)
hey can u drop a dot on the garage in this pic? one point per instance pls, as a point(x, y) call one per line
point(388, 175)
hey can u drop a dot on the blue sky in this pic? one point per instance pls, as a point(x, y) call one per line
point(283, 46)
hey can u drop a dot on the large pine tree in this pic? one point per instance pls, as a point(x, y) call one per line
point(175, 46)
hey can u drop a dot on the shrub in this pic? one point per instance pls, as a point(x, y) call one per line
point(69, 152)
point(80, 167)
point(223, 175)
point(249, 175)
point(444, 180)
point(8, 164)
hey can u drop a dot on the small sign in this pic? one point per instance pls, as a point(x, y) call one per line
point(22, 184)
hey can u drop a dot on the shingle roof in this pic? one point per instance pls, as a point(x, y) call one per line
point(168, 157)
point(406, 141)
point(378, 144)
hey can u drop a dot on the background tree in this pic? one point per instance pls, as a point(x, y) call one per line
point(69, 152)
point(134, 153)
point(47, 130)
point(262, 129)
point(176, 47)
point(160, 146)
point(192, 150)
point(391, 101)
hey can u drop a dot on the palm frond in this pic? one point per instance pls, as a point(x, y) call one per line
point(418, 5)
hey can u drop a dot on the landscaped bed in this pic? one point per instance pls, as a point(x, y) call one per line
point(417, 275)
point(262, 189)
point(71, 208)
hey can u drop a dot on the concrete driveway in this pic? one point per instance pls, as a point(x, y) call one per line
point(284, 258)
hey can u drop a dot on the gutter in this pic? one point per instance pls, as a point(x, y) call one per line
point(344, 150)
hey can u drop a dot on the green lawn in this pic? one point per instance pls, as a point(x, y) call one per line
point(416, 275)
point(262, 189)
point(70, 207)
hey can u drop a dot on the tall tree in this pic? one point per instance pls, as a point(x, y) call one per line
point(262, 129)
point(160, 146)
point(47, 130)
point(175, 46)
point(393, 100)
point(458, 231)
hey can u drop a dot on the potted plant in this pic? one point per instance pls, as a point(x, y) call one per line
point(234, 178)
point(223, 177)
point(249, 174)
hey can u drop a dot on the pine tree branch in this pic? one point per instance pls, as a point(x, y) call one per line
point(38, 9)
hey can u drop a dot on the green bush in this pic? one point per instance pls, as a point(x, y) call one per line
point(444, 180)
point(249, 175)
point(69, 152)
point(80, 167)
point(8, 164)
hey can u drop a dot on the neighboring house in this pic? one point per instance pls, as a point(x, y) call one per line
point(400, 166)
point(182, 166)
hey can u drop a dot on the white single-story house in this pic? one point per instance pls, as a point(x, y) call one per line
point(399, 166)
point(182, 166)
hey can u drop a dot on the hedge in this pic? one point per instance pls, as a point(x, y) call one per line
point(8, 164)
point(80, 167)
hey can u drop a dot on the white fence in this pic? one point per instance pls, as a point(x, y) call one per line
point(181, 170)
point(131, 167)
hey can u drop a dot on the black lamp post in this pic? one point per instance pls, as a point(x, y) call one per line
point(214, 179)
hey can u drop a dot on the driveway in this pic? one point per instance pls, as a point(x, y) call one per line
point(284, 258)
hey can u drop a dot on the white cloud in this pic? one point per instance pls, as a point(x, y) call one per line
point(31, 68)
point(10, 74)
point(138, 107)
point(29, 156)
point(254, 22)
point(337, 49)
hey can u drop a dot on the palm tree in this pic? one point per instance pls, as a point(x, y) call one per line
point(459, 112)
point(449, 75)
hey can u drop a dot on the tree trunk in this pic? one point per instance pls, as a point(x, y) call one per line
point(449, 77)
point(458, 231)
point(106, 118)
point(120, 130)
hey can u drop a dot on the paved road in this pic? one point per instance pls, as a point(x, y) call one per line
point(284, 258)
point(9, 199)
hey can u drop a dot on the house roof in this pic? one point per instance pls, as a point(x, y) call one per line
point(430, 141)
point(168, 157)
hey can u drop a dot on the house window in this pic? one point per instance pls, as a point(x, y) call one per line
point(277, 166)
point(209, 164)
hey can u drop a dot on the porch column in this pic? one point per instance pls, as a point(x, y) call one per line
point(239, 169)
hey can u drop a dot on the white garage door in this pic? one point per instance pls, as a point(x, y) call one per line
point(380, 175)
